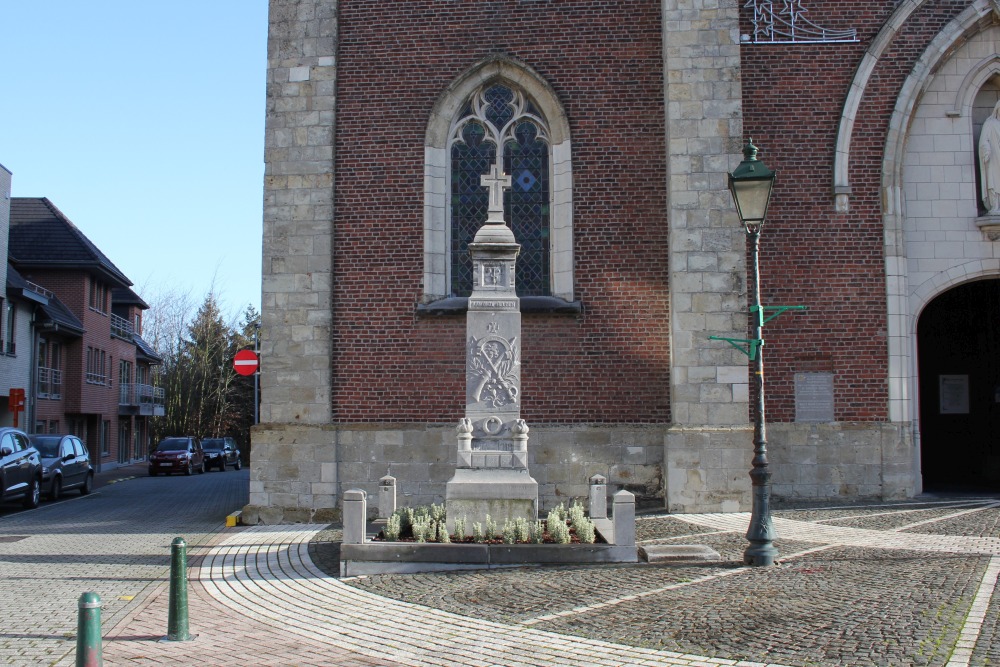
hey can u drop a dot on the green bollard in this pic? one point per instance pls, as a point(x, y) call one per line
point(177, 616)
point(88, 632)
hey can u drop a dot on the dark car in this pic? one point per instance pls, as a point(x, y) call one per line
point(221, 452)
point(20, 468)
point(179, 454)
point(65, 464)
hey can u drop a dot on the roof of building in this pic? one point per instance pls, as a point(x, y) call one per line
point(41, 237)
point(125, 295)
point(144, 351)
point(52, 315)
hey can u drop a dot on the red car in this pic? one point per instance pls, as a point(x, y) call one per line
point(182, 454)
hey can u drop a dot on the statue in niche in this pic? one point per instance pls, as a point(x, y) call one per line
point(989, 161)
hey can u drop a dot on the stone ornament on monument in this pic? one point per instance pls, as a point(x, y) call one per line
point(491, 477)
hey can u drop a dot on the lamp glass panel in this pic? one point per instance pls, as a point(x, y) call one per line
point(751, 198)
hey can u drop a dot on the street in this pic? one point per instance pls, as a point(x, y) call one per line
point(114, 542)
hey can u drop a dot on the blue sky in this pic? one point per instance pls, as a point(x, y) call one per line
point(143, 122)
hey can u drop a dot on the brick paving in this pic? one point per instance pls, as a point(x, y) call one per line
point(909, 583)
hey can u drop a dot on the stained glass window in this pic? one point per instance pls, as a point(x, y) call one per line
point(500, 115)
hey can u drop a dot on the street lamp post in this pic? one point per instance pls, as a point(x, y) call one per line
point(750, 184)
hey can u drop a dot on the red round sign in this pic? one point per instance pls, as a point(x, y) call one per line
point(246, 362)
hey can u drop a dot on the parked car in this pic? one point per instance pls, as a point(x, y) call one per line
point(65, 464)
point(178, 454)
point(221, 452)
point(20, 468)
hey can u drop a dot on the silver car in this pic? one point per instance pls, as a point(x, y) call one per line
point(65, 464)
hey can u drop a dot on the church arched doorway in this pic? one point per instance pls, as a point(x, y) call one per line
point(958, 342)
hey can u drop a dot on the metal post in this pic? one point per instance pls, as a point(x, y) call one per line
point(88, 632)
point(177, 615)
point(760, 533)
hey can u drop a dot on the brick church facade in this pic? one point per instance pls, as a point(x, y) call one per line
point(630, 116)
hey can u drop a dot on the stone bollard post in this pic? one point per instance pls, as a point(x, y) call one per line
point(355, 516)
point(386, 496)
point(598, 497)
point(177, 613)
point(88, 632)
point(623, 516)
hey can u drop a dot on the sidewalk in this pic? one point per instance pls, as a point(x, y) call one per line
point(893, 584)
point(120, 473)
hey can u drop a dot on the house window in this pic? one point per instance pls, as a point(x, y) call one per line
point(501, 116)
point(97, 366)
point(105, 438)
point(481, 111)
point(49, 362)
point(98, 295)
point(11, 322)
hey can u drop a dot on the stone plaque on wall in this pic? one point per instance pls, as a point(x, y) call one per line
point(814, 397)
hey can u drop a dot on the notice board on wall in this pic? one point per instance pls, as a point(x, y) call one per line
point(814, 397)
point(953, 391)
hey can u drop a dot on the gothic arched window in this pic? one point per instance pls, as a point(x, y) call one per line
point(499, 115)
point(498, 103)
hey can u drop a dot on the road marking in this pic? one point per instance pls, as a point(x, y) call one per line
point(969, 635)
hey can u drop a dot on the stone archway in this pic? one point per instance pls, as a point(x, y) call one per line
point(930, 212)
point(958, 340)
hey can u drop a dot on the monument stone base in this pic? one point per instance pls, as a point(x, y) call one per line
point(502, 494)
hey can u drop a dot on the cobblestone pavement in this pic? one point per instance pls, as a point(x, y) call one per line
point(902, 584)
point(115, 542)
point(910, 583)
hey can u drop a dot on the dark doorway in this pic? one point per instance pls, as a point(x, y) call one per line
point(958, 338)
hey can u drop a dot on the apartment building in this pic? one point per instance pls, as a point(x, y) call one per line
point(88, 368)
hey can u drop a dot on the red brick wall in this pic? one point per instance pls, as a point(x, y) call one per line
point(609, 364)
point(810, 254)
point(79, 396)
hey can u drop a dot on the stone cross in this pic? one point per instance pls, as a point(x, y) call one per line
point(496, 181)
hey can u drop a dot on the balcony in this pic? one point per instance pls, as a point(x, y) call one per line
point(121, 328)
point(49, 383)
point(141, 399)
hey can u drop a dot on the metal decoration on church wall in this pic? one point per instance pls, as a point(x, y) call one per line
point(788, 24)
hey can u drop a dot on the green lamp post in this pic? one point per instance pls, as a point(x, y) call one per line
point(751, 184)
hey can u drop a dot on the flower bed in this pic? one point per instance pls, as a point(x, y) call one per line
point(429, 525)
point(417, 540)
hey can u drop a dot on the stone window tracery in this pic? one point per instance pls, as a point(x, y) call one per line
point(500, 115)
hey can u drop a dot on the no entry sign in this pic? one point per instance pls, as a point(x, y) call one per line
point(245, 362)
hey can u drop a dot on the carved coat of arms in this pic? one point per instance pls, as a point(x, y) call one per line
point(494, 365)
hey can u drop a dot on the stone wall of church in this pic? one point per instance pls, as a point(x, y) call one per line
point(813, 254)
point(708, 473)
point(656, 120)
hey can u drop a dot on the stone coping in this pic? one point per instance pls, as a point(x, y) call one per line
point(410, 557)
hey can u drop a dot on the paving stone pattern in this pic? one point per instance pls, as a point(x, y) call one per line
point(900, 584)
point(840, 607)
point(115, 542)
